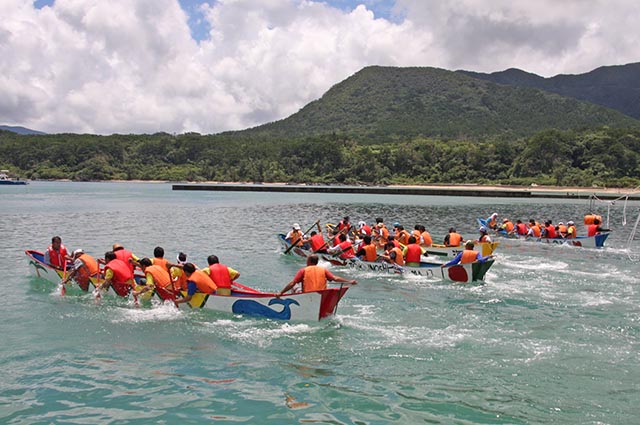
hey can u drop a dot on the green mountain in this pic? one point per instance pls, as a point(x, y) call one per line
point(387, 103)
point(616, 87)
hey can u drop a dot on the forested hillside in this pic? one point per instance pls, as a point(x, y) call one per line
point(616, 87)
point(604, 157)
point(384, 104)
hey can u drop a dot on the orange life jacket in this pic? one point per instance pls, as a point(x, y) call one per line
point(160, 275)
point(399, 257)
point(454, 239)
point(403, 237)
point(521, 229)
point(203, 282)
point(370, 253)
point(219, 273)
point(180, 281)
point(162, 262)
point(536, 230)
point(426, 239)
point(562, 229)
point(508, 226)
point(296, 237)
point(413, 253)
point(57, 258)
point(468, 256)
point(315, 279)
point(90, 269)
point(551, 231)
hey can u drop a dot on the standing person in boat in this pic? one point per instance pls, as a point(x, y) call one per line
point(197, 281)
point(157, 276)
point(84, 268)
point(595, 228)
point(467, 255)
point(118, 274)
point(453, 238)
point(313, 277)
point(56, 254)
point(125, 255)
point(221, 275)
point(412, 252)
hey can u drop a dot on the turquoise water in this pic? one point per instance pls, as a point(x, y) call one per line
point(552, 337)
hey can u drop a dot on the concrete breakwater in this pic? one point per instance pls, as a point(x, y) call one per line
point(461, 190)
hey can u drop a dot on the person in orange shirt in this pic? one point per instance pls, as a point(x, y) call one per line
point(313, 277)
point(197, 281)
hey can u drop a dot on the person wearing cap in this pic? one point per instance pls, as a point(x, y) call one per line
point(197, 281)
point(177, 274)
point(125, 255)
point(56, 254)
point(467, 255)
point(453, 238)
point(507, 226)
point(313, 277)
point(492, 221)
point(156, 277)
point(221, 275)
point(364, 229)
point(295, 236)
point(84, 268)
point(572, 231)
point(562, 230)
point(484, 236)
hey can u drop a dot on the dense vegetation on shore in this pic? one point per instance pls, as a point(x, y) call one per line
point(603, 157)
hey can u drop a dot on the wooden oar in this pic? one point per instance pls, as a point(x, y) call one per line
point(296, 244)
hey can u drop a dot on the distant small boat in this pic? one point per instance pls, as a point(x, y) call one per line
point(6, 180)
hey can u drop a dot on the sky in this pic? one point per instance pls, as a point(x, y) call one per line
point(207, 66)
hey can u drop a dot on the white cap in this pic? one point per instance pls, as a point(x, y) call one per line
point(570, 222)
point(361, 224)
point(296, 226)
point(78, 252)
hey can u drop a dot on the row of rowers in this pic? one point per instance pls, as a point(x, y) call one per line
point(159, 273)
point(547, 230)
point(400, 247)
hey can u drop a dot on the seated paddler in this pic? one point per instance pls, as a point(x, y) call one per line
point(313, 277)
point(197, 281)
point(467, 255)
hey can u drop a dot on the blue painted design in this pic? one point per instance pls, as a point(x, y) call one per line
point(254, 308)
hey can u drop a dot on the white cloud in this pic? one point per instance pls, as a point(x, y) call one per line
point(131, 66)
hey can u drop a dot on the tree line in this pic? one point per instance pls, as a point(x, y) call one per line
point(602, 157)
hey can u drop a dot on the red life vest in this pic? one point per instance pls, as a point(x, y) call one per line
point(317, 242)
point(521, 229)
point(468, 256)
point(219, 273)
point(592, 229)
point(347, 249)
point(122, 276)
point(551, 231)
point(124, 255)
point(57, 258)
point(413, 253)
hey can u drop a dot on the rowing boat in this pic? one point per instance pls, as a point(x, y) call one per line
point(463, 273)
point(305, 306)
point(596, 241)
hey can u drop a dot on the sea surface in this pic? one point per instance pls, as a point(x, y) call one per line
point(553, 336)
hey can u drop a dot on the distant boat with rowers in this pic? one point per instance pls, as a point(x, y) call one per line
point(6, 180)
point(596, 241)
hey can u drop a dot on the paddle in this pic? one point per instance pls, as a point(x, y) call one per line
point(296, 244)
point(63, 290)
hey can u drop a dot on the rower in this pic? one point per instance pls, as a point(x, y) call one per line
point(313, 277)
